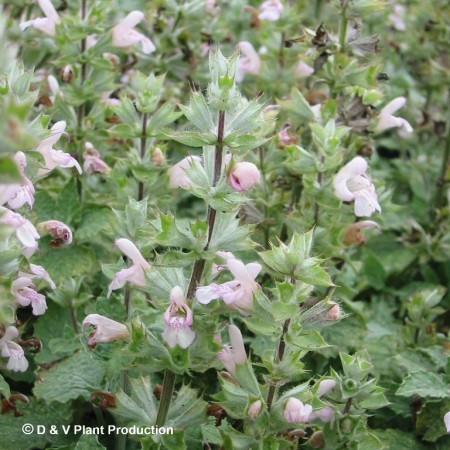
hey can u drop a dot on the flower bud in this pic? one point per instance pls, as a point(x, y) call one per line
point(60, 232)
point(104, 329)
point(284, 138)
point(317, 440)
point(447, 421)
point(353, 235)
point(254, 409)
point(325, 386)
point(244, 176)
point(158, 158)
point(334, 313)
point(67, 73)
point(112, 58)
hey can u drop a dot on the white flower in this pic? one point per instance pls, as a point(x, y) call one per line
point(135, 273)
point(270, 10)
point(9, 349)
point(351, 184)
point(104, 329)
point(55, 158)
point(46, 24)
point(26, 294)
point(124, 34)
point(387, 120)
point(24, 229)
point(249, 61)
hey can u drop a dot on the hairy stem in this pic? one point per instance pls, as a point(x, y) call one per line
point(80, 112)
point(211, 214)
point(166, 397)
point(278, 357)
point(197, 271)
point(441, 182)
point(347, 406)
point(343, 29)
point(143, 146)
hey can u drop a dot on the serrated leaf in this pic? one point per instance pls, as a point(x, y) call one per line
point(73, 377)
point(425, 384)
point(65, 261)
point(36, 413)
point(139, 408)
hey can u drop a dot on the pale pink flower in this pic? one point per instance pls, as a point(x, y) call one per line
point(178, 177)
point(249, 61)
point(24, 229)
point(237, 293)
point(216, 268)
point(158, 158)
point(38, 272)
point(211, 7)
point(351, 184)
point(45, 24)
point(244, 176)
point(92, 160)
point(204, 49)
point(270, 10)
point(54, 87)
point(295, 411)
point(254, 410)
point(234, 353)
point(387, 120)
point(104, 329)
point(10, 349)
point(397, 17)
point(135, 273)
point(26, 294)
point(303, 70)
point(59, 231)
point(7, 191)
point(447, 421)
point(124, 34)
point(109, 101)
point(324, 414)
point(18, 194)
point(325, 386)
point(55, 158)
point(284, 138)
point(178, 320)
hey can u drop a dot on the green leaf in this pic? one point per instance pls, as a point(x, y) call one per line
point(140, 408)
point(4, 387)
point(430, 420)
point(374, 270)
point(89, 442)
point(425, 384)
point(76, 376)
point(9, 172)
point(186, 410)
point(397, 440)
point(36, 413)
point(65, 261)
point(308, 341)
point(198, 113)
